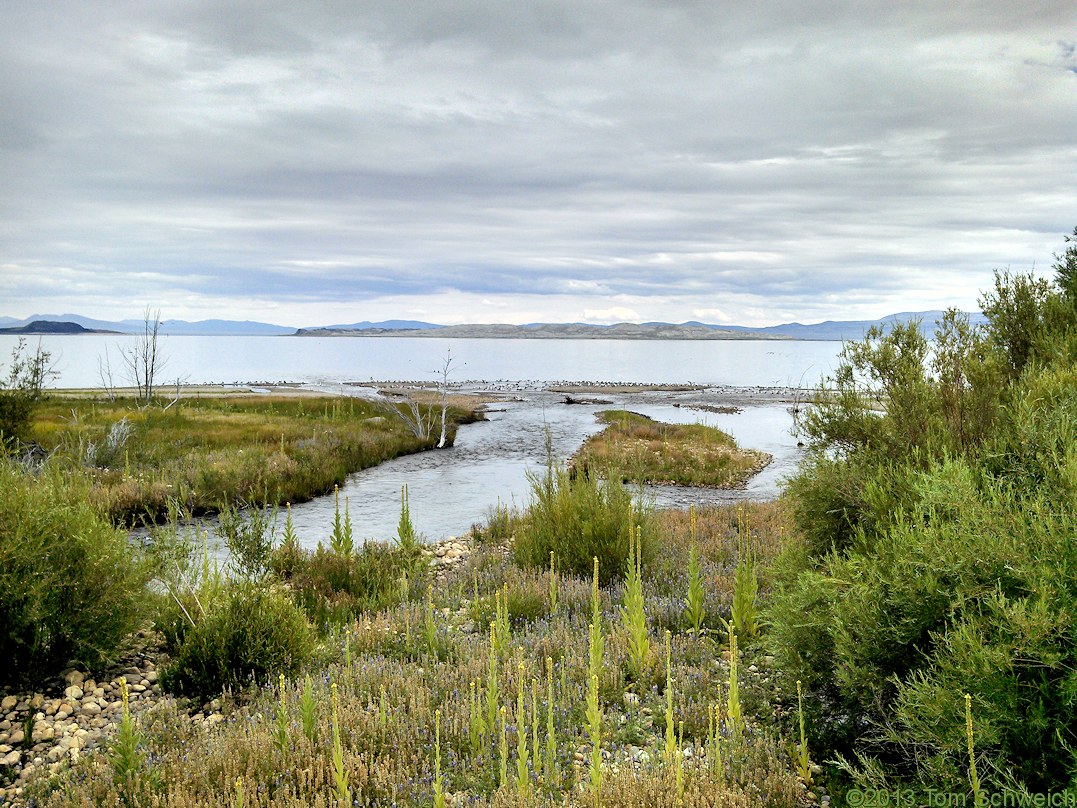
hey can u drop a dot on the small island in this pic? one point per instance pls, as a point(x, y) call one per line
point(675, 454)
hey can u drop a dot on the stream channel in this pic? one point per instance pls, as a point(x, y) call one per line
point(451, 489)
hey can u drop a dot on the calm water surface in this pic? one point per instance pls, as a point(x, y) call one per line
point(337, 360)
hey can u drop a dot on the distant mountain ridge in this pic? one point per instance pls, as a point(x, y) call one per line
point(829, 330)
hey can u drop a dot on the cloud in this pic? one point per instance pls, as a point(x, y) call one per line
point(796, 160)
point(615, 314)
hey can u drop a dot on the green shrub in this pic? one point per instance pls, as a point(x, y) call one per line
point(71, 586)
point(936, 554)
point(21, 392)
point(333, 588)
point(248, 534)
point(499, 525)
point(581, 519)
point(250, 633)
point(525, 597)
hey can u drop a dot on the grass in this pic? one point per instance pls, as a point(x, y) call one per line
point(656, 452)
point(206, 452)
point(392, 721)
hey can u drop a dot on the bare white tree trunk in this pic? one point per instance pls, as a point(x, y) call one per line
point(444, 387)
point(104, 373)
point(145, 358)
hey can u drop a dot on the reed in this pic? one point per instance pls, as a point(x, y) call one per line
point(439, 785)
point(633, 614)
point(340, 772)
point(801, 757)
point(974, 777)
point(308, 711)
point(523, 778)
point(282, 728)
point(550, 768)
point(694, 608)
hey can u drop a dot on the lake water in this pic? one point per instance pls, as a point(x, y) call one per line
point(451, 489)
point(331, 361)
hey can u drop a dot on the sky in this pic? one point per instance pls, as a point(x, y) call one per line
point(511, 161)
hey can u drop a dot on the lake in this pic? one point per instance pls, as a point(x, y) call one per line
point(451, 489)
point(328, 361)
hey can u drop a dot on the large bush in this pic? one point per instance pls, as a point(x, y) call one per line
point(71, 586)
point(580, 519)
point(936, 555)
point(245, 633)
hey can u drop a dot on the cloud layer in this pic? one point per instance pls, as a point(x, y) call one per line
point(478, 161)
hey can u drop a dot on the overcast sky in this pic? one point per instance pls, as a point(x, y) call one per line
point(308, 163)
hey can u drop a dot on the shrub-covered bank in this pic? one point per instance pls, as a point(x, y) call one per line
point(927, 601)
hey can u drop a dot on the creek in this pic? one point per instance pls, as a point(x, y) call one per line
point(451, 489)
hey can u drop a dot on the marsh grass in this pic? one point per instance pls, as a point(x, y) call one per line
point(206, 452)
point(656, 452)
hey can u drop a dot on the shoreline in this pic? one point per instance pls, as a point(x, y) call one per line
point(500, 388)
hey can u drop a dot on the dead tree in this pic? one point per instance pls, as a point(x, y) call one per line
point(145, 359)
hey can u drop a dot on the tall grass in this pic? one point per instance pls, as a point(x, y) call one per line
point(206, 452)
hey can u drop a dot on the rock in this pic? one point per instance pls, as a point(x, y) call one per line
point(74, 692)
point(74, 677)
point(8, 703)
point(12, 758)
point(91, 708)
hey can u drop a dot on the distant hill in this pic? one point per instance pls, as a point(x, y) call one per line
point(202, 327)
point(830, 330)
point(853, 329)
point(388, 325)
point(52, 327)
point(233, 328)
